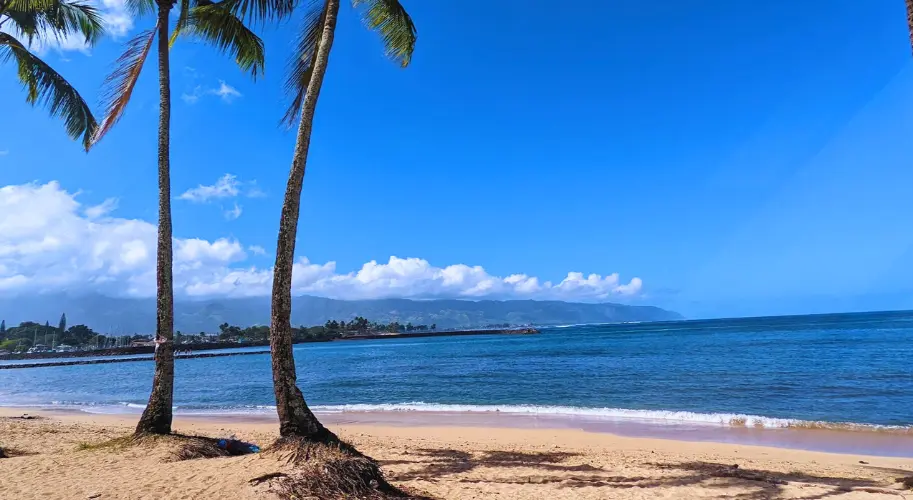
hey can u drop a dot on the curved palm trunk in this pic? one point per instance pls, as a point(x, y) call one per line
point(156, 417)
point(910, 21)
point(295, 418)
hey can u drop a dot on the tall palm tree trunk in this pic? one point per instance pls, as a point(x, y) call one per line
point(156, 417)
point(910, 21)
point(295, 418)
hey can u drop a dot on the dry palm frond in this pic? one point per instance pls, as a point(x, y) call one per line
point(194, 447)
point(120, 83)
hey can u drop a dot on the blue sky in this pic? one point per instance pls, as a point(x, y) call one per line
point(738, 158)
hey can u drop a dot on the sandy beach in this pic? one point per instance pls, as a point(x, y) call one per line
point(53, 457)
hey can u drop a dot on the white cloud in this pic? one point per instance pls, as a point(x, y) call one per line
point(49, 241)
point(225, 187)
point(226, 92)
point(116, 17)
point(257, 250)
point(102, 209)
point(232, 213)
point(254, 192)
point(4, 152)
point(192, 97)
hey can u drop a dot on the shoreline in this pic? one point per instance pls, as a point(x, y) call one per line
point(446, 462)
point(810, 439)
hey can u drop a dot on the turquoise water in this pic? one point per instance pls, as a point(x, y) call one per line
point(770, 372)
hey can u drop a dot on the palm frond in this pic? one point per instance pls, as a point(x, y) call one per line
point(48, 88)
point(260, 11)
point(301, 65)
point(220, 26)
point(60, 19)
point(120, 83)
point(183, 13)
point(392, 22)
point(138, 8)
point(25, 5)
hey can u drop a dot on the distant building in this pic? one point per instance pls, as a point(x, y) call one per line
point(142, 343)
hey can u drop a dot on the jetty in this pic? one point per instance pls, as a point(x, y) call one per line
point(376, 336)
point(126, 360)
point(114, 357)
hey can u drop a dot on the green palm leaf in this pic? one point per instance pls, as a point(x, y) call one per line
point(218, 25)
point(138, 8)
point(120, 83)
point(183, 13)
point(25, 5)
point(260, 11)
point(301, 65)
point(59, 19)
point(46, 87)
point(392, 22)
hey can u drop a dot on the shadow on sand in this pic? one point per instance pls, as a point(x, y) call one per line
point(552, 467)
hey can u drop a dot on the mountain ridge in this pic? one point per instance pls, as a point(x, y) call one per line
point(129, 315)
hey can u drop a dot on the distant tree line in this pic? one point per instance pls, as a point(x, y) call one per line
point(332, 329)
point(29, 334)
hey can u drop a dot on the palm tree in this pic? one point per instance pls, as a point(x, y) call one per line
point(308, 68)
point(43, 20)
point(910, 21)
point(221, 24)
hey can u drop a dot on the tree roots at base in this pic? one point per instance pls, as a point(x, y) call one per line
point(328, 470)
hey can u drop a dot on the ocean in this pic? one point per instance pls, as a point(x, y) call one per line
point(844, 372)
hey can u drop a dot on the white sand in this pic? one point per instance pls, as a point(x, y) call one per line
point(446, 462)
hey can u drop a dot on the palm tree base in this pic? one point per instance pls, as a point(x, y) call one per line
point(327, 467)
point(153, 424)
point(297, 449)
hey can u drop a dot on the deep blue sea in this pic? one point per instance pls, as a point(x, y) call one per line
point(771, 372)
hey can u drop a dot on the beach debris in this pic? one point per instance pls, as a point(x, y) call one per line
point(235, 447)
point(93, 495)
point(266, 477)
point(863, 462)
point(906, 482)
point(194, 447)
point(3, 454)
point(734, 471)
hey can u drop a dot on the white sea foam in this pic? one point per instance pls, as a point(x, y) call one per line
point(656, 417)
point(648, 416)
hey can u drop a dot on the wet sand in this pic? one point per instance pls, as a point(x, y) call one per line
point(479, 458)
point(868, 442)
point(888, 444)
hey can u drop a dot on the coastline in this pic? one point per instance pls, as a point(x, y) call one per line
point(836, 440)
point(446, 461)
point(220, 346)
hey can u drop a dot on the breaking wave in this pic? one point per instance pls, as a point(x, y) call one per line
point(736, 420)
point(656, 417)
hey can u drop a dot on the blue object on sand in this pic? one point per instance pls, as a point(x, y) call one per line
point(235, 447)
